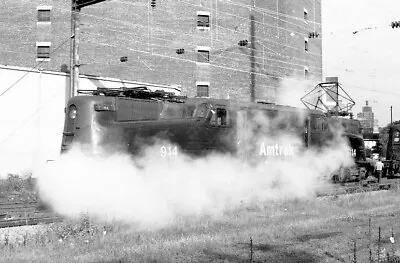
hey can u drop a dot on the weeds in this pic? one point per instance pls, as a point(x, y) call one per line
point(274, 228)
point(16, 183)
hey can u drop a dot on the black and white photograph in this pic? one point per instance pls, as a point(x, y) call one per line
point(174, 131)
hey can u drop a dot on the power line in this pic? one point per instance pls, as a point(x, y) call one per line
point(264, 10)
point(260, 65)
point(192, 61)
point(220, 54)
point(37, 64)
point(376, 91)
point(29, 118)
point(169, 31)
point(227, 51)
point(237, 16)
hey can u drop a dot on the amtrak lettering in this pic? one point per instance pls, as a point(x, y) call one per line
point(276, 150)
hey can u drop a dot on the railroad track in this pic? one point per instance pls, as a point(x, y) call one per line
point(360, 187)
point(25, 213)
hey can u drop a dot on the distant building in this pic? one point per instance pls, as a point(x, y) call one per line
point(366, 118)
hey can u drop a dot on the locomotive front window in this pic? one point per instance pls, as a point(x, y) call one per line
point(202, 110)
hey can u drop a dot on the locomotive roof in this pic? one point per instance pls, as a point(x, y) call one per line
point(143, 93)
point(246, 104)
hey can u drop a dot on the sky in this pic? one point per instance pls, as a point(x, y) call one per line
point(368, 62)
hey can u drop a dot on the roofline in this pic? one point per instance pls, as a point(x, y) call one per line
point(92, 77)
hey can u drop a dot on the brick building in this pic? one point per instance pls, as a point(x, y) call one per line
point(203, 45)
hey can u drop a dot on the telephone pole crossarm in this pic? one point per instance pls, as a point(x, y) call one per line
point(82, 3)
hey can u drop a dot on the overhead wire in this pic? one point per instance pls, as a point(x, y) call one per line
point(264, 10)
point(170, 32)
point(260, 65)
point(234, 15)
point(224, 42)
point(164, 30)
point(192, 61)
point(37, 64)
point(30, 117)
point(220, 54)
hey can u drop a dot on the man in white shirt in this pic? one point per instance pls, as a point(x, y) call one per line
point(378, 168)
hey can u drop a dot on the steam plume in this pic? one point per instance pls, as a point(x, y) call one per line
point(151, 191)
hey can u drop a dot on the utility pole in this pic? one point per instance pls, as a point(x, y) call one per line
point(391, 115)
point(74, 55)
point(252, 59)
point(76, 6)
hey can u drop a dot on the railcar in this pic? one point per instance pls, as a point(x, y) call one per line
point(392, 162)
point(128, 119)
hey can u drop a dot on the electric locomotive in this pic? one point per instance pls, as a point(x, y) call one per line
point(128, 119)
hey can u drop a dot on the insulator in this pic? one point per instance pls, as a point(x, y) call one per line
point(243, 43)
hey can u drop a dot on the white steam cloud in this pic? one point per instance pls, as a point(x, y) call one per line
point(152, 191)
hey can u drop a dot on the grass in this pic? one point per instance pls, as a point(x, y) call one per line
point(315, 230)
point(22, 186)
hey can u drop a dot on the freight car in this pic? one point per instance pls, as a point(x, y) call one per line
point(392, 162)
point(129, 118)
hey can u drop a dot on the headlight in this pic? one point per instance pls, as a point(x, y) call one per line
point(72, 112)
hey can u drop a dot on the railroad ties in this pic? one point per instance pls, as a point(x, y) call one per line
point(24, 213)
point(359, 187)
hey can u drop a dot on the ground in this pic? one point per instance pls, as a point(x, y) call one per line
point(327, 229)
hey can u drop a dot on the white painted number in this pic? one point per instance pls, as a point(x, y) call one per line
point(169, 151)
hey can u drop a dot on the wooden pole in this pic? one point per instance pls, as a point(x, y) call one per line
point(74, 55)
point(252, 59)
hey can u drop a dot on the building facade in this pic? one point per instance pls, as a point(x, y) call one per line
point(217, 48)
point(366, 118)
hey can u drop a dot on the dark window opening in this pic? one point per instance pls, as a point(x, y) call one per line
point(43, 51)
point(203, 56)
point(43, 15)
point(305, 15)
point(202, 91)
point(306, 45)
point(203, 20)
point(220, 117)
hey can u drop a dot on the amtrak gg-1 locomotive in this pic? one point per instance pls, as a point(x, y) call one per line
point(126, 119)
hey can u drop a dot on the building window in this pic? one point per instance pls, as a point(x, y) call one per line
point(305, 44)
point(305, 73)
point(202, 89)
point(203, 54)
point(203, 20)
point(305, 15)
point(44, 13)
point(43, 50)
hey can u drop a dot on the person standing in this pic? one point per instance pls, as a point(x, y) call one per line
point(378, 168)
